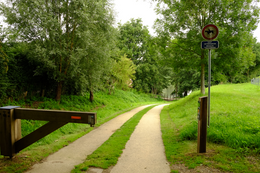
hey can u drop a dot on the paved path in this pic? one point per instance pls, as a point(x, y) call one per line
point(66, 158)
point(144, 152)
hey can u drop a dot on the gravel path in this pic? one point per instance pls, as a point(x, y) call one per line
point(66, 158)
point(144, 152)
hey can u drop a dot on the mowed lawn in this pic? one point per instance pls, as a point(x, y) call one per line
point(234, 129)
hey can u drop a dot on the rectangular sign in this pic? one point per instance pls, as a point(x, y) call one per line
point(209, 45)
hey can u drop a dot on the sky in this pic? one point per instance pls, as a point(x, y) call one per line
point(127, 9)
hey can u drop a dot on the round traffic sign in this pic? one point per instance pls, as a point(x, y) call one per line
point(210, 32)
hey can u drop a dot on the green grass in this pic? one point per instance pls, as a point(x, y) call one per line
point(108, 153)
point(106, 106)
point(233, 136)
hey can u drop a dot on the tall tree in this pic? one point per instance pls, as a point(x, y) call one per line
point(122, 74)
point(184, 21)
point(59, 30)
point(133, 40)
point(3, 70)
point(256, 69)
point(136, 42)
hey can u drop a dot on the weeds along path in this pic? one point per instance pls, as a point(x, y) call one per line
point(66, 158)
point(144, 152)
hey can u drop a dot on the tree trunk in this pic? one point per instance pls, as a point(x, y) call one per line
point(248, 80)
point(202, 79)
point(91, 96)
point(176, 91)
point(43, 92)
point(59, 87)
point(109, 90)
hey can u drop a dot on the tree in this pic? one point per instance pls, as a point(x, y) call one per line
point(233, 61)
point(184, 20)
point(133, 38)
point(60, 32)
point(256, 69)
point(122, 74)
point(184, 66)
point(136, 42)
point(3, 71)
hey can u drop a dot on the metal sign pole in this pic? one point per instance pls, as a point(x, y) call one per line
point(209, 80)
point(209, 32)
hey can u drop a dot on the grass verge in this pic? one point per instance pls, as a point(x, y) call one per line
point(108, 153)
point(233, 142)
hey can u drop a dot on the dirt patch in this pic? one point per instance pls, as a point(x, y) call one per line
point(209, 153)
point(35, 104)
point(181, 168)
point(20, 162)
point(94, 170)
point(98, 107)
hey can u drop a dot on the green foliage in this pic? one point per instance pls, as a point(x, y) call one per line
point(122, 74)
point(143, 49)
point(65, 37)
point(255, 70)
point(4, 83)
point(21, 74)
point(108, 153)
point(133, 40)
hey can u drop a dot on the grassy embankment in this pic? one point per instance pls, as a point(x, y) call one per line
point(233, 136)
point(106, 106)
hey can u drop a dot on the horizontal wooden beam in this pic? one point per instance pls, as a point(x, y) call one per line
point(56, 115)
point(37, 134)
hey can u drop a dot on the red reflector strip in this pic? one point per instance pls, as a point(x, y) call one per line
point(75, 118)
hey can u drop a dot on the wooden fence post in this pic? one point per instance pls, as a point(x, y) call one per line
point(10, 130)
point(202, 125)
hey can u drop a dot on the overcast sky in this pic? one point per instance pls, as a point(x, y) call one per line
point(144, 9)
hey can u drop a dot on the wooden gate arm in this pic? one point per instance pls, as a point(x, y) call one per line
point(56, 115)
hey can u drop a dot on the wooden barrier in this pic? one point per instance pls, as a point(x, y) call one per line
point(202, 125)
point(10, 125)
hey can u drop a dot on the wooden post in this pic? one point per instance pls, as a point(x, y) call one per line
point(202, 125)
point(10, 130)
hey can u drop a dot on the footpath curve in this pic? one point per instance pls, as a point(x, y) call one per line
point(64, 160)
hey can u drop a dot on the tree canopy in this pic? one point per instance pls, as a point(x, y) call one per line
point(61, 33)
point(183, 20)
